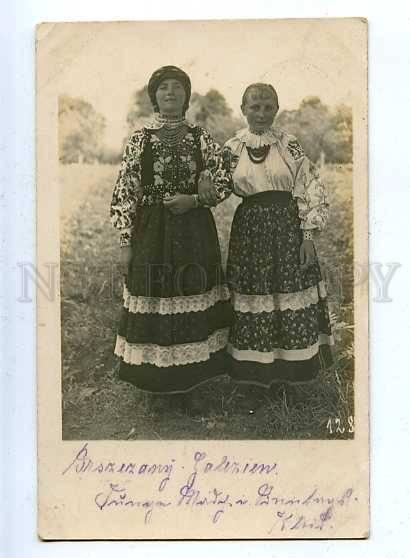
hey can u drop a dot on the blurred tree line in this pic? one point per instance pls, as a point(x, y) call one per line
point(324, 132)
point(81, 132)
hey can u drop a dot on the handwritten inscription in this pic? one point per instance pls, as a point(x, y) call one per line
point(204, 488)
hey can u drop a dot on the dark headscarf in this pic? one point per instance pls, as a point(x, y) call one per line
point(169, 72)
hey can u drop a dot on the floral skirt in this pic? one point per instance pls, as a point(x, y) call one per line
point(176, 312)
point(281, 329)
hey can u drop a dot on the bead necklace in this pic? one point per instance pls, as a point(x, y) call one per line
point(172, 137)
point(169, 122)
point(258, 154)
point(172, 130)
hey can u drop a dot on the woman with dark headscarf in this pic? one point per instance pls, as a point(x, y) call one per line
point(176, 314)
point(281, 330)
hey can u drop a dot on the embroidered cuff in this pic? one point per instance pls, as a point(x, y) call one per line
point(308, 235)
point(125, 238)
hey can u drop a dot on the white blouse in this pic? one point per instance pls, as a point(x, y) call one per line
point(285, 168)
point(273, 174)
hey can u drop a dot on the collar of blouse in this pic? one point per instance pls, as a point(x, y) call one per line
point(257, 140)
point(273, 136)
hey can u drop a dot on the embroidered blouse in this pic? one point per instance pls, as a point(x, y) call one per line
point(170, 170)
point(285, 168)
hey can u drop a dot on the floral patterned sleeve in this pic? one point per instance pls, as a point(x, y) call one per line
point(310, 193)
point(216, 166)
point(127, 189)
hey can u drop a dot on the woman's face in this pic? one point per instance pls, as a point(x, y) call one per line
point(260, 109)
point(170, 97)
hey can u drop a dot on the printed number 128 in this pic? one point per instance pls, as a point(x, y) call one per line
point(335, 426)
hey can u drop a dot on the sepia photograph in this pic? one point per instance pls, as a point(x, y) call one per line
point(206, 248)
point(202, 192)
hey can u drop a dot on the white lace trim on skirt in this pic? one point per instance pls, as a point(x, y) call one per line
point(283, 354)
point(278, 301)
point(174, 355)
point(176, 304)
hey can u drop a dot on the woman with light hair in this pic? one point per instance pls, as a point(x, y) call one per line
point(281, 330)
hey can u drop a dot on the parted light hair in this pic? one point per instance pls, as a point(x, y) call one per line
point(263, 87)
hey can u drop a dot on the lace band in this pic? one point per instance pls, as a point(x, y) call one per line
point(176, 304)
point(279, 301)
point(175, 355)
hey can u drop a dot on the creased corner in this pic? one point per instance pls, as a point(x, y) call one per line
point(43, 30)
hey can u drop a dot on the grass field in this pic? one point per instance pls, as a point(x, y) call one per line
point(96, 405)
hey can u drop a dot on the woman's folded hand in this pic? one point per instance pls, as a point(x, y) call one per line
point(307, 254)
point(206, 190)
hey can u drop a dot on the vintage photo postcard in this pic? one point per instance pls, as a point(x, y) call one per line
point(202, 279)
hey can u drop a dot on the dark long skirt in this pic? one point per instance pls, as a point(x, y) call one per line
point(281, 329)
point(176, 315)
